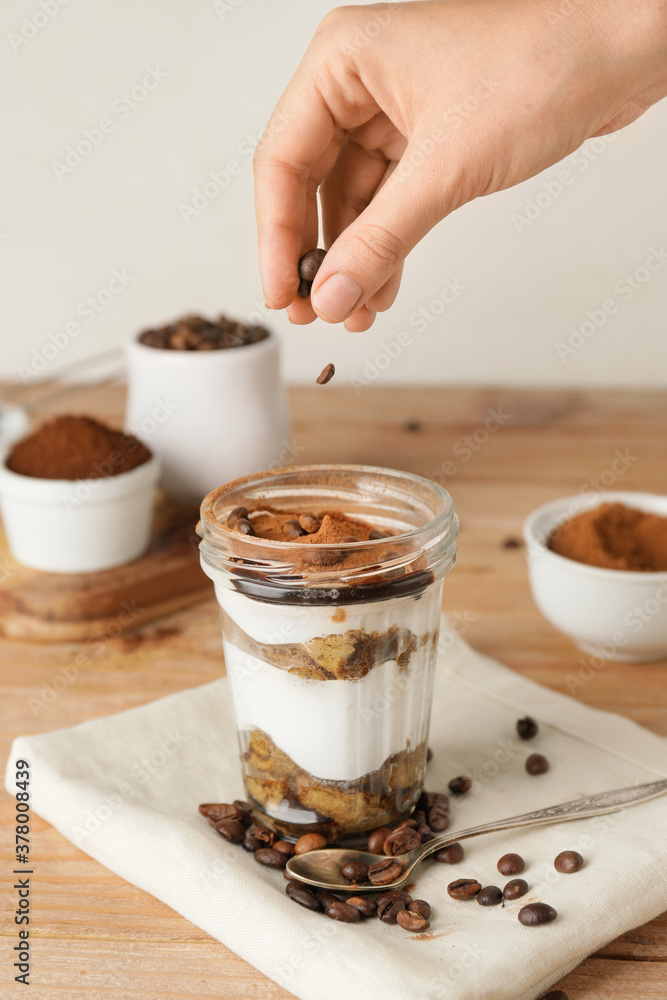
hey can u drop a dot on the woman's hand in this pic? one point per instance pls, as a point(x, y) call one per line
point(400, 113)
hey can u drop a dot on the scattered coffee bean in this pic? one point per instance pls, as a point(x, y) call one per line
point(438, 819)
point(325, 898)
point(231, 830)
point(460, 785)
point(556, 995)
point(216, 811)
point(537, 764)
point(292, 529)
point(401, 841)
point(326, 374)
point(411, 921)
point(377, 838)
point(244, 526)
point(392, 894)
point(464, 888)
point(252, 844)
point(515, 889)
point(310, 842)
point(428, 800)
point(303, 291)
point(350, 538)
point(410, 821)
point(568, 862)
point(272, 859)
point(388, 909)
point(311, 262)
point(450, 855)
point(419, 817)
point(511, 864)
point(343, 911)
point(527, 728)
point(429, 752)
point(511, 543)
point(245, 811)
point(236, 513)
point(419, 906)
point(373, 535)
point(413, 426)
point(309, 523)
point(303, 896)
point(366, 906)
point(490, 895)
point(265, 837)
point(425, 833)
point(355, 871)
point(385, 871)
point(284, 847)
point(537, 913)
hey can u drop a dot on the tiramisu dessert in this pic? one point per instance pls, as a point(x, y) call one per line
point(329, 581)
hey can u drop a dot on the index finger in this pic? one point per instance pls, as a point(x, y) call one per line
point(298, 138)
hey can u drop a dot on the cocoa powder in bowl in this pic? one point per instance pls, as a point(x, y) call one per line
point(614, 536)
point(76, 447)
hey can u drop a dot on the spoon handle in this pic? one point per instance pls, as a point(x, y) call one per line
point(589, 805)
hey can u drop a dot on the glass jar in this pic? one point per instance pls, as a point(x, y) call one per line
point(330, 649)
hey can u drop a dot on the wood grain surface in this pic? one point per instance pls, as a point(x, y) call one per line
point(95, 937)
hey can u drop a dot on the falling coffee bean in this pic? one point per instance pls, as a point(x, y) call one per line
point(511, 864)
point(537, 764)
point(460, 785)
point(309, 523)
point(411, 921)
point(355, 871)
point(377, 838)
point(568, 862)
point(302, 895)
point(490, 895)
point(385, 871)
point(244, 526)
point(527, 728)
point(537, 913)
point(272, 859)
point(310, 263)
point(310, 842)
point(366, 906)
point(464, 888)
point(401, 841)
point(343, 911)
point(326, 374)
point(450, 855)
point(515, 889)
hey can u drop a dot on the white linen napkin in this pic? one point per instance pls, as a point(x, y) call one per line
point(126, 790)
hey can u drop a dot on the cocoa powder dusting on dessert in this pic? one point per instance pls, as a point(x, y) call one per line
point(334, 527)
point(614, 536)
point(76, 447)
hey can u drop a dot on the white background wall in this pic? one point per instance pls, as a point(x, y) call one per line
point(224, 64)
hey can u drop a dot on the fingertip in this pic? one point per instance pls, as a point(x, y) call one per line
point(361, 320)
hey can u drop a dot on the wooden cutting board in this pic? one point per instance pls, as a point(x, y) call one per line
point(76, 607)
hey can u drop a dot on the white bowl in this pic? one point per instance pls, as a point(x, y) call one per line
point(210, 416)
point(614, 614)
point(81, 525)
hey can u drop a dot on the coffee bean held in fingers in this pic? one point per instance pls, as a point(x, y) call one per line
point(568, 862)
point(310, 263)
point(303, 291)
point(450, 855)
point(511, 864)
point(490, 895)
point(537, 764)
point(515, 889)
point(464, 888)
point(537, 913)
point(326, 374)
point(527, 728)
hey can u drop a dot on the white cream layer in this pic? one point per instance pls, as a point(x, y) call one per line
point(334, 729)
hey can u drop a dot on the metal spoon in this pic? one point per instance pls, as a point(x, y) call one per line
point(322, 868)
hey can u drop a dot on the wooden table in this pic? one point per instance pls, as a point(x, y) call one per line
point(95, 936)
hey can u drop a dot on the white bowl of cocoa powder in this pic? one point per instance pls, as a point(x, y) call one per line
point(598, 572)
point(77, 496)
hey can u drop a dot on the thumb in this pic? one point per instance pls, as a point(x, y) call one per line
point(373, 247)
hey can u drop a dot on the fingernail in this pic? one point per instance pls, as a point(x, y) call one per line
point(337, 297)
